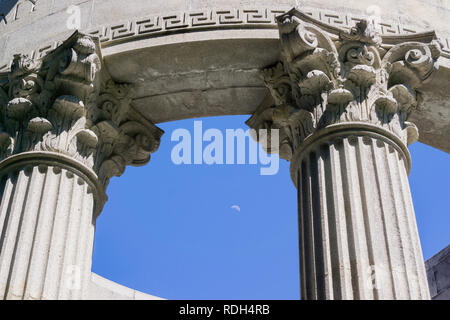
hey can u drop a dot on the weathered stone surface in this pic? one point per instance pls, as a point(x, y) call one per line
point(67, 103)
point(432, 114)
point(341, 101)
point(48, 231)
point(438, 273)
point(77, 108)
point(173, 82)
point(358, 235)
point(329, 76)
point(104, 289)
point(65, 129)
point(149, 29)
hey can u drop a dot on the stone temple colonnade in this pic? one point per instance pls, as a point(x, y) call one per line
point(348, 92)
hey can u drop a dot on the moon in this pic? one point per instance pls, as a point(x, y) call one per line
point(236, 207)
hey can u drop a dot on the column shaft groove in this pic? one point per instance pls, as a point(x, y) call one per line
point(46, 226)
point(358, 237)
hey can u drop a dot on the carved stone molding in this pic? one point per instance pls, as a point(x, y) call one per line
point(66, 104)
point(341, 101)
point(328, 76)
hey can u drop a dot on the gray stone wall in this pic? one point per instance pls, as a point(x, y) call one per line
point(438, 273)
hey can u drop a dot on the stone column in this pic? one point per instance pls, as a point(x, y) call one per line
point(46, 218)
point(358, 235)
point(341, 100)
point(66, 128)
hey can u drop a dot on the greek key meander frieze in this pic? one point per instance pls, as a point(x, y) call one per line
point(187, 21)
point(253, 18)
point(330, 76)
point(66, 104)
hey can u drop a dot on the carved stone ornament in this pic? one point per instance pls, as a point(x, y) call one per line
point(329, 76)
point(66, 105)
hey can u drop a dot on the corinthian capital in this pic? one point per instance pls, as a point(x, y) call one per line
point(66, 106)
point(328, 76)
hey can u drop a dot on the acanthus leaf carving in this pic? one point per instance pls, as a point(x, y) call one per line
point(329, 76)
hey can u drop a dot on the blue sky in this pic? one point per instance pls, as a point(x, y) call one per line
point(170, 230)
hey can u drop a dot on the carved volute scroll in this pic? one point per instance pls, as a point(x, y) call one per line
point(341, 101)
point(67, 105)
point(327, 76)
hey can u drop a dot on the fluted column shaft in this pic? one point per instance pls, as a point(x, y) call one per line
point(357, 228)
point(66, 128)
point(46, 229)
